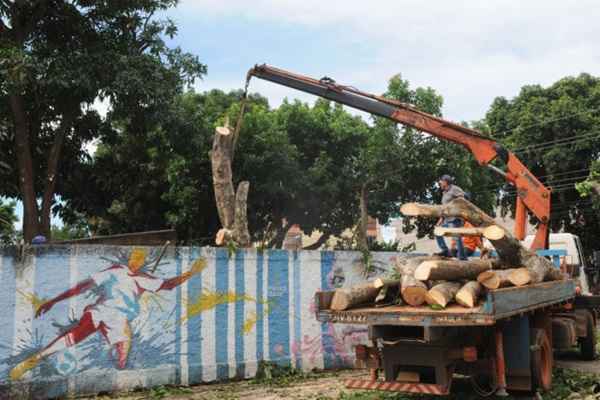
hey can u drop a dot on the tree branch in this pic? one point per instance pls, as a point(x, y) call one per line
point(53, 160)
point(321, 241)
point(279, 237)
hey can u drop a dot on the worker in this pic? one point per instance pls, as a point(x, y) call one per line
point(450, 192)
point(470, 244)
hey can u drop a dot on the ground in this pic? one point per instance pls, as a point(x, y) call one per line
point(574, 380)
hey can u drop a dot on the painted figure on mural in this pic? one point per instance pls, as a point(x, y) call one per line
point(119, 288)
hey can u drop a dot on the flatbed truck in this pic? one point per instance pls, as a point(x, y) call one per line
point(504, 343)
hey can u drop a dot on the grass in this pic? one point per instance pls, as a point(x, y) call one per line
point(272, 374)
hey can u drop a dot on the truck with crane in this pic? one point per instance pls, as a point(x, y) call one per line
point(507, 341)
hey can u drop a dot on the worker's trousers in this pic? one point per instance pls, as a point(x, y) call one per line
point(456, 223)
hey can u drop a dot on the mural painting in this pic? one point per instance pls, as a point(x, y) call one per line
point(72, 315)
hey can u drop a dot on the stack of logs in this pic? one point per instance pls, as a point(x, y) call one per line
point(439, 281)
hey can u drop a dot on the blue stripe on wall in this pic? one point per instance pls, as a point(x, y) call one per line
point(178, 270)
point(7, 316)
point(260, 337)
point(194, 325)
point(297, 309)
point(327, 259)
point(279, 307)
point(221, 317)
point(239, 314)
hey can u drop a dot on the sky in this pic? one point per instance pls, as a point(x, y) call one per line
point(469, 51)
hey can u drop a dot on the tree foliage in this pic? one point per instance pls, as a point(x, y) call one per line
point(555, 131)
point(8, 219)
point(56, 58)
point(306, 165)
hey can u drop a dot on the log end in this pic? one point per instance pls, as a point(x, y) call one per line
point(340, 301)
point(410, 209)
point(434, 297)
point(489, 279)
point(494, 232)
point(423, 270)
point(223, 130)
point(519, 277)
point(414, 296)
point(221, 236)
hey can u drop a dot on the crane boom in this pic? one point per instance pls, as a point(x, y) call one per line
point(532, 195)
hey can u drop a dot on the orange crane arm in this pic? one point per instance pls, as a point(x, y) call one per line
point(532, 195)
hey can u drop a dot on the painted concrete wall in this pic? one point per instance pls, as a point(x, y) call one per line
point(201, 316)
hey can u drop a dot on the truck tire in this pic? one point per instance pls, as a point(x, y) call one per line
point(541, 360)
point(587, 344)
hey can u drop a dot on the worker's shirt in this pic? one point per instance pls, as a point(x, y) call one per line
point(453, 192)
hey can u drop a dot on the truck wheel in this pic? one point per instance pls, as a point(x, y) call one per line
point(587, 344)
point(541, 360)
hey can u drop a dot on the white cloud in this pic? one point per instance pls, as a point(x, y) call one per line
point(469, 51)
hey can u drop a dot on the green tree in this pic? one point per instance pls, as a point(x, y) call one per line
point(8, 219)
point(56, 58)
point(403, 165)
point(555, 131)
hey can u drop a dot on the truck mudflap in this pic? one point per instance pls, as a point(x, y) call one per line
point(420, 388)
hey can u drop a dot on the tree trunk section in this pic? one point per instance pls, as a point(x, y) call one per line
point(510, 251)
point(232, 207)
point(457, 208)
point(443, 231)
point(364, 220)
point(442, 294)
point(346, 298)
point(468, 295)
point(513, 254)
point(413, 291)
point(503, 278)
point(31, 226)
point(451, 270)
point(240, 225)
point(220, 157)
point(52, 172)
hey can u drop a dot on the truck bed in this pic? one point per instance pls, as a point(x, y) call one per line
point(497, 304)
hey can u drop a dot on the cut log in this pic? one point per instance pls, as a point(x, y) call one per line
point(468, 295)
point(241, 234)
point(451, 270)
point(442, 294)
point(520, 276)
point(495, 279)
point(509, 249)
point(220, 157)
point(412, 290)
point(380, 282)
point(345, 298)
point(231, 206)
point(444, 231)
point(457, 208)
point(512, 253)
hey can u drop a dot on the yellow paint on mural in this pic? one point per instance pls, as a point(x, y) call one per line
point(198, 265)
point(35, 301)
point(249, 323)
point(209, 300)
point(137, 258)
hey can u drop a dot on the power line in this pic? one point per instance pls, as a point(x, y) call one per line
point(559, 143)
point(543, 144)
point(539, 123)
